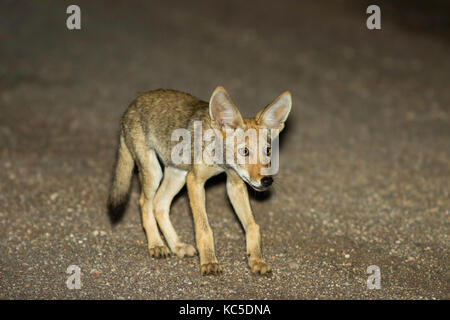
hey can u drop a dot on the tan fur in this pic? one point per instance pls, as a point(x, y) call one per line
point(146, 129)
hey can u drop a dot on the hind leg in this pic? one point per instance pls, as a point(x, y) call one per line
point(174, 179)
point(150, 175)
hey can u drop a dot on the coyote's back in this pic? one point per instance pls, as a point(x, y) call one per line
point(156, 114)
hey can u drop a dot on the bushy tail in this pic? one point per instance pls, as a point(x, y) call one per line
point(119, 192)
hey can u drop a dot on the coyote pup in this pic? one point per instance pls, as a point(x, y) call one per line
point(146, 135)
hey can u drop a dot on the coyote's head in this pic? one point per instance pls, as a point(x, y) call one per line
point(253, 151)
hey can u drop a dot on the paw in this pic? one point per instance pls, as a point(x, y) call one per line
point(159, 252)
point(185, 250)
point(259, 266)
point(211, 268)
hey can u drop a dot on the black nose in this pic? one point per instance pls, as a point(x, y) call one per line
point(266, 181)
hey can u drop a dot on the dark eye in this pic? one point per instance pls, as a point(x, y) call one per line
point(268, 151)
point(244, 151)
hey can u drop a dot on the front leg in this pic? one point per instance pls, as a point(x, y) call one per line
point(237, 192)
point(203, 233)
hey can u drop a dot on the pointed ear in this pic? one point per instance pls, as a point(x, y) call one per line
point(275, 114)
point(223, 112)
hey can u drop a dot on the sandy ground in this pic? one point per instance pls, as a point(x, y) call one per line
point(365, 170)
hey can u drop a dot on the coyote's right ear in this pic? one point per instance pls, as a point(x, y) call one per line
point(223, 112)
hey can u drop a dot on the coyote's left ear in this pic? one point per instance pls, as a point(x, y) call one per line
point(275, 114)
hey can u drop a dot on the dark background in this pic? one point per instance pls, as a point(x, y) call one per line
point(365, 167)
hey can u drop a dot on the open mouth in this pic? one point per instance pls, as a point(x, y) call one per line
point(256, 187)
